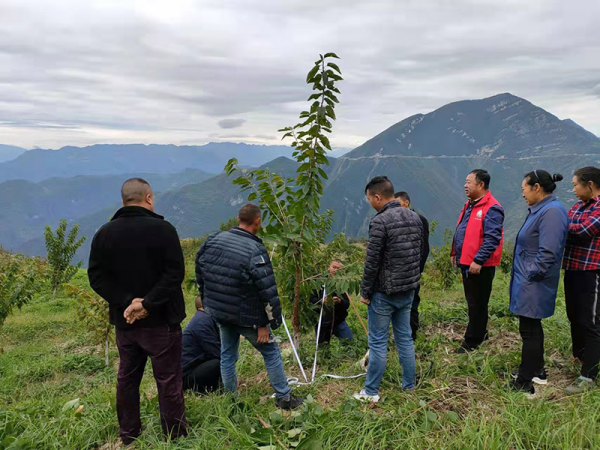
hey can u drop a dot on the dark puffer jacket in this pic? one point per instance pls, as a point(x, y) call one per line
point(236, 281)
point(393, 252)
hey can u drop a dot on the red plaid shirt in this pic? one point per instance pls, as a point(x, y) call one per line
point(583, 243)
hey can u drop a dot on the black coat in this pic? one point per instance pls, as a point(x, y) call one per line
point(394, 251)
point(138, 255)
point(200, 341)
point(333, 315)
point(236, 280)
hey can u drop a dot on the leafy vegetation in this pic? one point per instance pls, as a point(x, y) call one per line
point(61, 250)
point(292, 207)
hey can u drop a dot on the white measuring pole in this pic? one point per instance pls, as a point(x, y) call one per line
point(314, 371)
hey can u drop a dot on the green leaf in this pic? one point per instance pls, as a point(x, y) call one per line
point(294, 432)
point(431, 416)
point(73, 404)
point(331, 55)
point(312, 73)
point(334, 66)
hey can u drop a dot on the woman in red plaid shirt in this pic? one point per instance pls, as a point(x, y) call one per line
point(582, 276)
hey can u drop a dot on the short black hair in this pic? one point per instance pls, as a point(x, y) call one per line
point(546, 181)
point(587, 174)
point(134, 191)
point(482, 176)
point(403, 195)
point(380, 185)
point(249, 213)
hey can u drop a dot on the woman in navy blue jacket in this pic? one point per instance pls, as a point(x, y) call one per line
point(536, 272)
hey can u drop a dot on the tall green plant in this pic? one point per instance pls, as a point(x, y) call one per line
point(61, 250)
point(292, 206)
point(443, 270)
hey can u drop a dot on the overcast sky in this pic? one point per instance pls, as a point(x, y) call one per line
point(76, 72)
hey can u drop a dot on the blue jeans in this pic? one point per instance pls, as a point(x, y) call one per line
point(230, 341)
point(343, 331)
point(382, 310)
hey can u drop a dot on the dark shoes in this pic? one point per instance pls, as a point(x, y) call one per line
point(464, 348)
point(540, 378)
point(289, 402)
point(526, 387)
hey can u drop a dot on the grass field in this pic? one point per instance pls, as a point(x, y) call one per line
point(461, 401)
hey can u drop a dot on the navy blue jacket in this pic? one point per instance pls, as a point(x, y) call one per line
point(492, 233)
point(236, 280)
point(200, 341)
point(537, 259)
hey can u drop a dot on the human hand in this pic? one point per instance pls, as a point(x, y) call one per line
point(336, 299)
point(366, 301)
point(453, 258)
point(475, 268)
point(135, 311)
point(263, 335)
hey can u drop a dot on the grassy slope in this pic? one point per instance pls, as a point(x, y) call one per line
point(461, 401)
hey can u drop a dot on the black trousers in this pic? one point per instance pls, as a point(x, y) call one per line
point(532, 355)
point(583, 311)
point(478, 289)
point(204, 378)
point(163, 345)
point(414, 313)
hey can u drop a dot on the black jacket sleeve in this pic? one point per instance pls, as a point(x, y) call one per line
point(375, 252)
point(211, 343)
point(100, 277)
point(261, 273)
point(173, 271)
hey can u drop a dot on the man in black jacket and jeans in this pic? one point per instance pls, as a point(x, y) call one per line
point(237, 285)
point(136, 265)
point(391, 275)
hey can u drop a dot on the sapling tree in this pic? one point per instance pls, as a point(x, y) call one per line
point(291, 206)
point(61, 250)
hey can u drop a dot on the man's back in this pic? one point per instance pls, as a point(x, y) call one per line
point(138, 255)
point(201, 341)
point(394, 251)
point(236, 279)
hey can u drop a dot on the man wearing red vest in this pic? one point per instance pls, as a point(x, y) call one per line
point(476, 250)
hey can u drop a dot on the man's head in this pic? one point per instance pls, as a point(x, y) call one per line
point(477, 184)
point(137, 192)
point(403, 198)
point(379, 192)
point(249, 218)
point(335, 266)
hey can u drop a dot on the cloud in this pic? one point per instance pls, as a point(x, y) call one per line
point(231, 123)
point(180, 71)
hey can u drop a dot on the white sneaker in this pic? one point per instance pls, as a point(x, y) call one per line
point(363, 396)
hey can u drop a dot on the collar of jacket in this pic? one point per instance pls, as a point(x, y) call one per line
point(539, 205)
point(392, 204)
point(482, 201)
point(245, 233)
point(135, 211)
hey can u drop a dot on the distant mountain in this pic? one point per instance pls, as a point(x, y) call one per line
point(109, 159)
point(26, 207)
point(428, 155)
point(8, 152)
point(195, 209)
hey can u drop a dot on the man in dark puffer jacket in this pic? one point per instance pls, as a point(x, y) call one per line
point(237, 285)
point(391, 275)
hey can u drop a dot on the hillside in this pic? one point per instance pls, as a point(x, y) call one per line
point(9, 152)
point(108, 159)
point(26, 207)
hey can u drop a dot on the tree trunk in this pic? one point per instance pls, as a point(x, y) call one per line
point(106, 351)
point(296, 317)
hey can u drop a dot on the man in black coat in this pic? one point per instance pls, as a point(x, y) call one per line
point(404, 200)
point(237, 286)
point(136, 265)
point(335, 310)
point(201, 357)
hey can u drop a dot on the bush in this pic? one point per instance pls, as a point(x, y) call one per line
point(61, 250)
point(441, 268)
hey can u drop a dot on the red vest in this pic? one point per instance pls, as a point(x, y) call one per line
point(474, 232)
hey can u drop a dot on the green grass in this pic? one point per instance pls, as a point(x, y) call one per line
point(461, 401)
